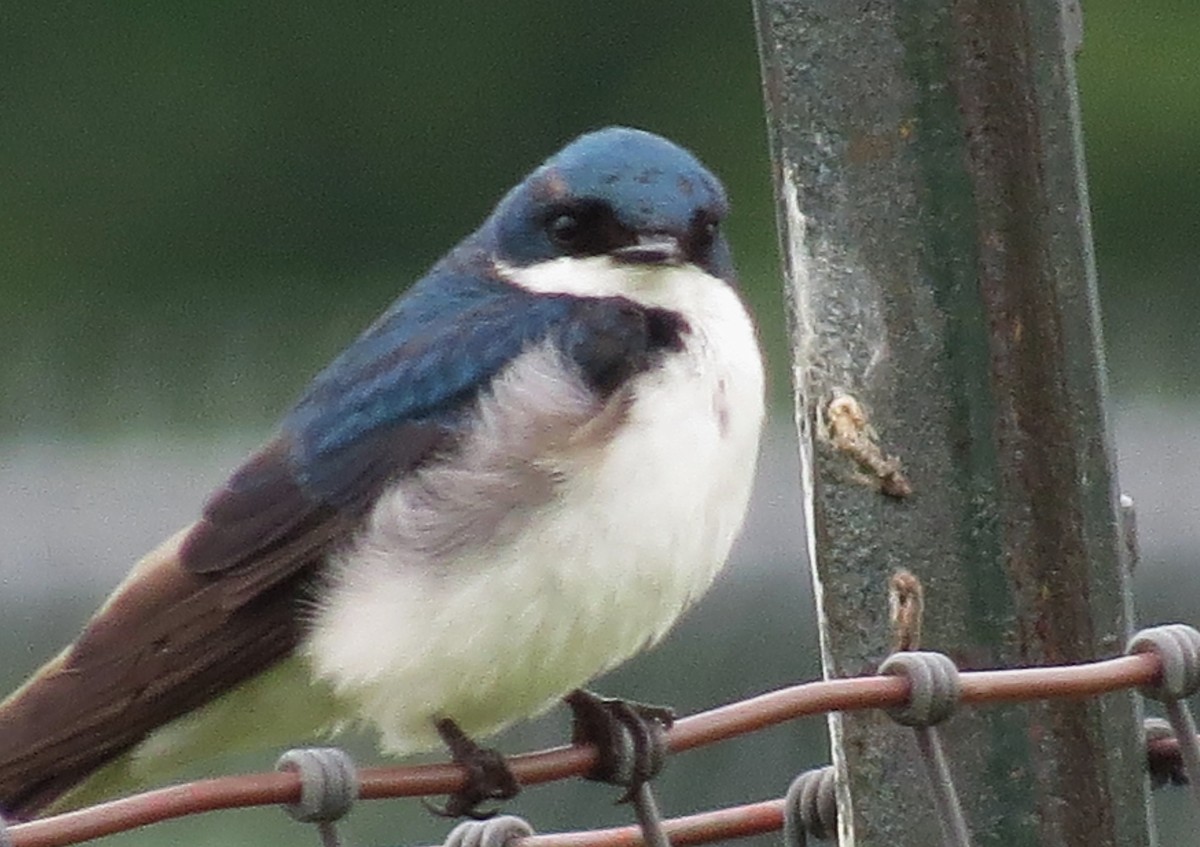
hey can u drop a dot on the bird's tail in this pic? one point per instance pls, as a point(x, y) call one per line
point(164, 644)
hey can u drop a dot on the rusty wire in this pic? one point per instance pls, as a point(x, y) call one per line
point(978, 687)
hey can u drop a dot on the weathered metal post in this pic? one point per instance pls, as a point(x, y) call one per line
point(950, 396)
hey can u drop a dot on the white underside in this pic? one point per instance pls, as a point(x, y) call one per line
point(635, 531)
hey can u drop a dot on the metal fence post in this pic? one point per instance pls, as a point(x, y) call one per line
point(950, 396)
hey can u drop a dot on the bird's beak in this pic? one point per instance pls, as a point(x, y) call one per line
point(655, 248)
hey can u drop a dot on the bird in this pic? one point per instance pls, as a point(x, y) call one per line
point(515, 479)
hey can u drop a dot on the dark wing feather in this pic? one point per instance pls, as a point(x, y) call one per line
point(166, 643)
point(169, 640)
point(262, 528)
point(258, 509)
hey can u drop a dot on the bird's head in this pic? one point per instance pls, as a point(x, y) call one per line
point(622, 201)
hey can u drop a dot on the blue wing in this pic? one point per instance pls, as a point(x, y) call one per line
point(419, 367)
point(394, 398)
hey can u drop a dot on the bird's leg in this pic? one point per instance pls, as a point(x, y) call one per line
point(630, 737)
point(488, 775)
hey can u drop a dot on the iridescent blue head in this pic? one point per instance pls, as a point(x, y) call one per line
point(618, 192)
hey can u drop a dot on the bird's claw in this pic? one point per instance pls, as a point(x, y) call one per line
point(629, 737)
point(488, 776)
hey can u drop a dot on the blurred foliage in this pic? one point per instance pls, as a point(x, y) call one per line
point(201, 203)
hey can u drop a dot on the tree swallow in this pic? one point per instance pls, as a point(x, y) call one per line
point(512, 481)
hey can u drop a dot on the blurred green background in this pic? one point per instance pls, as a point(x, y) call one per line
point(201, 203)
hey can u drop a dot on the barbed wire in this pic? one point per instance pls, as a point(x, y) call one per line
point(735, 719)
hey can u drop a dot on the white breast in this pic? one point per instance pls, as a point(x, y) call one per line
point(566, 585)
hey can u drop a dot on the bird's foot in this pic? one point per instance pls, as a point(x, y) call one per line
point(488, 776)
point(630, 737)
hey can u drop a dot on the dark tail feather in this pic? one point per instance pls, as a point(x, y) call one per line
point(166, 642)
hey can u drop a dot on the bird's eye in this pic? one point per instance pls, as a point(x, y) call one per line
point(565, 230)
point(586, 228)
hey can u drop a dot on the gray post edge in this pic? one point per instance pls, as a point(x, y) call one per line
point(950, 398)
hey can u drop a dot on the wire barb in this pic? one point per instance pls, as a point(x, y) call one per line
point(1178, 650)
point(500, 831)
point(935, 689)
point(654, 834)
point(810, 807)
point(1162, 754)
point(934, 693)
point(328, 788)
